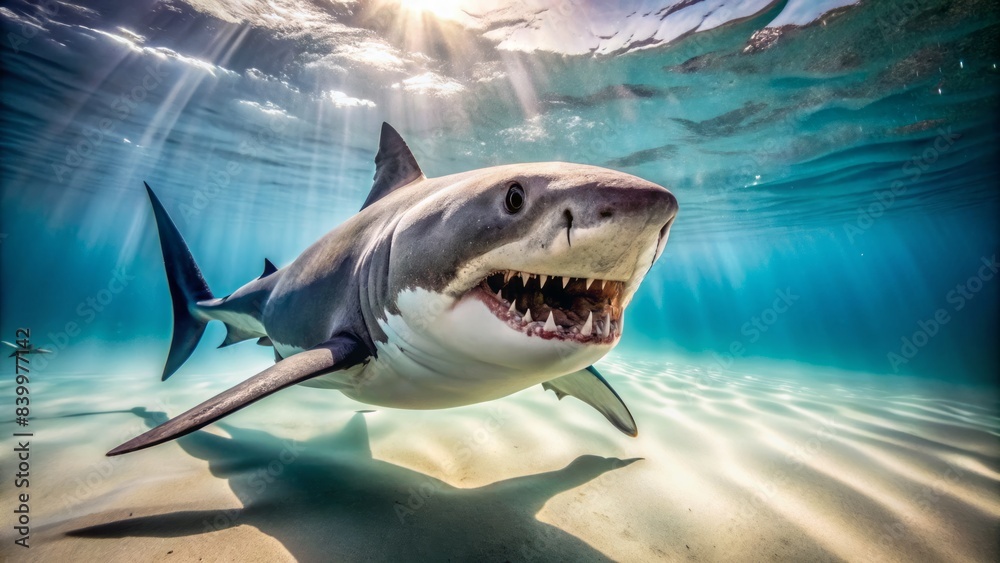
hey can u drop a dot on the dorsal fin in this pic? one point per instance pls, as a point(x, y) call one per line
point(269, 269)
point(394, 165)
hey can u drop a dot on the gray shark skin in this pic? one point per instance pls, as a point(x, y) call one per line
point(440, 292)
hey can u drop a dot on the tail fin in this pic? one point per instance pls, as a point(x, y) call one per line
point(187, 287)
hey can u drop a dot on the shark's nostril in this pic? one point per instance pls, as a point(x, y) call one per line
point(607, 213)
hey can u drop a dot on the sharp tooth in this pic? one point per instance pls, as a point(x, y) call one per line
point(590, 281)
point(506, 276)
point(602, 284)
point(600, 329)
point(499, 296)
point(565, 281)
point(512, 309)
point(527, 316)
point(588, 326)
point(525, 277)
point(550, 323)
point(607, 324)
point(542, 279)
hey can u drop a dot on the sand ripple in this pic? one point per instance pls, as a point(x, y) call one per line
point(796, 465)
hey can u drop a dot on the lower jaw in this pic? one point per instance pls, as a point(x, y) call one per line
point(536, 328)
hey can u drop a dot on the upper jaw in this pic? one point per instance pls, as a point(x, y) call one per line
point(557, 307)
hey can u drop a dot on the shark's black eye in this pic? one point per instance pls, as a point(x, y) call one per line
point(515, 198)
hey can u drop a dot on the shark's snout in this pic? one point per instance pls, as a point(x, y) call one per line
point(668, 204)
point(617, 227)
point(621, 202)
point(652, 203)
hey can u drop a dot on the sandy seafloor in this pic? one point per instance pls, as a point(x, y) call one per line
point(773, 462)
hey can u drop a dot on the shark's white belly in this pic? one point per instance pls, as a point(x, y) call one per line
point(481, 360)
point(402, 378)
point(398, 379)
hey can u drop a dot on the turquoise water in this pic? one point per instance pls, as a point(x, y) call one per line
point(835, 168)
point(775, 157)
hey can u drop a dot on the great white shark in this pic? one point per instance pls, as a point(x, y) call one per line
point(439, 292)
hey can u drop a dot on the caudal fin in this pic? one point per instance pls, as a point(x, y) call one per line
point(187, 287)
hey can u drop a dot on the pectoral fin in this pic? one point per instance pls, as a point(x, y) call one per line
point(588, 386)
point(338, 353)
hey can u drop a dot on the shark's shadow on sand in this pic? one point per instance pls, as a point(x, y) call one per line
point(327, 499)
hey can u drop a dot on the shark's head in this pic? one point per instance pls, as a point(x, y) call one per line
point(527, 266)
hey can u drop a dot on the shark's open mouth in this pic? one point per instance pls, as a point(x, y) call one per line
point(585, 310)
